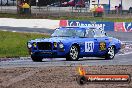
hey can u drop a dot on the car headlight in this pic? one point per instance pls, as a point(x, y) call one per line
point(61, 45)
point(29, 45)
point(55, 44)
point(34, 45)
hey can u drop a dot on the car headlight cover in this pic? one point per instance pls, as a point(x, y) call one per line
point(61, 45)
point(29, 45)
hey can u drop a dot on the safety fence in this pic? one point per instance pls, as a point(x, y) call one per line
point(63, 11)
point(61, 8)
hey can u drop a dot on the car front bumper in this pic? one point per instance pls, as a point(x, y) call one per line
point(49, 54)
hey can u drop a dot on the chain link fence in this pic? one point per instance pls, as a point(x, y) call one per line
point(59, 8)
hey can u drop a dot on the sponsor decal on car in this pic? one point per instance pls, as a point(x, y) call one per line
point(102, 46)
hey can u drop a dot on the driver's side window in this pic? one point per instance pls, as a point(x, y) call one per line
point(89, 33)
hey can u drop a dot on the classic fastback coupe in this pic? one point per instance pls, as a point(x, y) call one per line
point(73, 43)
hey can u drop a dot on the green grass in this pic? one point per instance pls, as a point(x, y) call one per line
point(10, 15)
point(7, 15)
point(14, 44)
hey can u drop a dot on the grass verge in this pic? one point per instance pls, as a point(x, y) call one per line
point(9, 15)
point(14, 44)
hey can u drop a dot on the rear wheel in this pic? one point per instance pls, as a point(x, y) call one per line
point(111, 53)
point(36, 59)
point(73, 54)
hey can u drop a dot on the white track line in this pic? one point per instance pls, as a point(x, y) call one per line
point(3, 30)
point(124, 54)
point(13, 31)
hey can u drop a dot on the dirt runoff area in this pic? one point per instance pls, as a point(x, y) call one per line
point(58, 77)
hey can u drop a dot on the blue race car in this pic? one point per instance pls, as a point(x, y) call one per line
point(73, 43)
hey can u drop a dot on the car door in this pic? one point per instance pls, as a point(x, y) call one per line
point(91, 43)
point(102, 40)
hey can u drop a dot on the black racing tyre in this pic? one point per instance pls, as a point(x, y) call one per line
point(36, 58)
point(110, 53)
point(73, 54)
point(81, 80)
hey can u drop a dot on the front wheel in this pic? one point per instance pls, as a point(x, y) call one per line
point(111, 53)
point(73, 54)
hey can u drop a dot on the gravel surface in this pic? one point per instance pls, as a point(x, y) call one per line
point(58, 77)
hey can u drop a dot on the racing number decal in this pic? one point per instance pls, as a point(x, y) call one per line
point(89, 46)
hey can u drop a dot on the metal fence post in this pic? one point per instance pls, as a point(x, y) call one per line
point(1, 6)
point(36, 7)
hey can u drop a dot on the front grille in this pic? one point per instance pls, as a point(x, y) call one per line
point(44, 45)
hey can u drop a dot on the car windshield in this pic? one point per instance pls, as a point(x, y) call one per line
point(68, 32)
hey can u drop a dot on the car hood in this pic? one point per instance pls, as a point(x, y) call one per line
point(55, 39)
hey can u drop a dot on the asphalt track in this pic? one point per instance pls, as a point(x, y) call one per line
point(24, 29)
point(124, 57)
point(120, 35)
